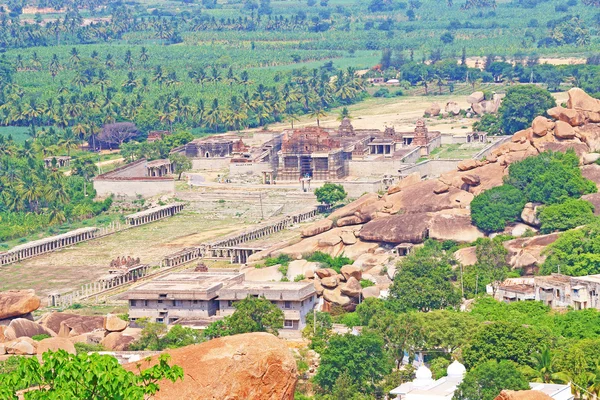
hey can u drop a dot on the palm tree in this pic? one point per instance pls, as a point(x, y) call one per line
point(318, 112)
point(144, 56)
point(68, 140)
point(344, 113)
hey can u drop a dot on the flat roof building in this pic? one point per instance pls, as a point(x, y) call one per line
point(211, 295)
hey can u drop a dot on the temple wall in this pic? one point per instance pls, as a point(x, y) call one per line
point(430, 167)
point(366, 168)
point(132, 188)
point(210, 163)
point(249, 168)
point(355, 189)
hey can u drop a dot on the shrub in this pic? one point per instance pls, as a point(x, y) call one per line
point(567, 215)
point(365, 283)
point(494, 208)
point(335, 263)
point(383, 92)
point(521, 105)
point(43, 336)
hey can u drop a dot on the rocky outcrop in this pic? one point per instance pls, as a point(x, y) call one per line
point(15, 303)
point(405, 228)
point(336, 296)
point(529, 214)
point(593, 198)
point(252, 366)
point(567, 115)
point(580, 100)
point(475, 97)
point(351, 288)
point(522, 395)
point(433, 110)
point(113, 323)
point(349, 271)
point(452, 108)
point(52, 320)
point(21, 327)
point(55, 344)
point(316, 228)
point(117, 341)
point(542, 126)
point(22, 346)
point(455, 225)
point(79, 325)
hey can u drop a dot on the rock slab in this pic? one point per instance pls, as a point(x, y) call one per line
point(14, 303)
point(252, 366)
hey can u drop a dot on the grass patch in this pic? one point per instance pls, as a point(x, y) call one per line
point(335, 263)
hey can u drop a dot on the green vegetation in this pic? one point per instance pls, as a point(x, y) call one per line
point(494, 208)
point(487, 380)
point(253, 314)
point(37, 338)
point(423, 280)
point(335, 263)
point(282, 259)
point(567, 215)
point(549, 178)
point(575, 252)
point(521, 105)
point(84, 376)
point(156, 337)
point(330, 193)
point(88, 347)
point(34, 197)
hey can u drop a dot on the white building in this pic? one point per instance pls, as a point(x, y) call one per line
point(424, 387)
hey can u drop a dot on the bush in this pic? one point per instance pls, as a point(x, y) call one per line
point(383, 92)
point(282, 259)
point(567, 215)
point(365, 283)
point(494, 208)
point(43, 336)
point(335, 263)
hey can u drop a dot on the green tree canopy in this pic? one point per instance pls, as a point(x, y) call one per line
point(253, 314)
point(423, 280)
point(494, 208)
point(576, 252)
point(521, 105)
point(330, 193)
point(95, 377)
point(181, 163)
point(361, 357)
point(488, 379)
point(567, 215)
point(503, 341)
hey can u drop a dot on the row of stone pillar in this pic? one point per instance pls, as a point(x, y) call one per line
point(155, 216)
point(51, 245)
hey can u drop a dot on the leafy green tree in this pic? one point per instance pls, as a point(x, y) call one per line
point(181, 162)
point(494, 208)
point(567, 215)
point(492, 263)
point(362, 357)
point(423, 280)
point(575, 252)
point(318, 330)
point(504, 341)
point(253, 314)
point(488, 379)
point(521, 105)
point(83, 376)
point(330, 193)
point(489, 123)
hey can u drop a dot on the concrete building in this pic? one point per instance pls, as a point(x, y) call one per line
point(211, 295)
point(137, 178)
point(514, 289)
point(424, 387)
point(295, 299)
point(179, 295)
point(553, 290)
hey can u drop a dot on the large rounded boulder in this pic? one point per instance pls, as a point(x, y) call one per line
point(252, 366)
point(14, 303)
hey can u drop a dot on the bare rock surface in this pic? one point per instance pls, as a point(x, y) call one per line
point(252, 366)
point(55, 344)
point(405, 228)
point(454, 226)
point(522, 395)
point(113, 323)
point(23, 327)
point(318, 227)
point(14, 303)
point(79, 325)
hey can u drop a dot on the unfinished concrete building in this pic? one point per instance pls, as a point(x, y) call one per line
point(207, 296)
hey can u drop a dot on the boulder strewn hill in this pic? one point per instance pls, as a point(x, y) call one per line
point(252, 366)
point(413, 209)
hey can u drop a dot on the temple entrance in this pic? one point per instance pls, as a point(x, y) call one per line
point(306, 169)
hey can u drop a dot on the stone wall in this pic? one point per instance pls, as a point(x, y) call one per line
point(210, 163)
point(355, 189)
point(249, 168)
point(132, 188)
point(365, 168)
point(430, 167)
point(491, 147)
